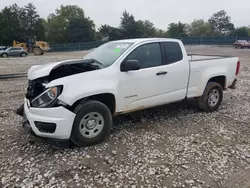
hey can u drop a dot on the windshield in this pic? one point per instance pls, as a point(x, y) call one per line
point(109, 52)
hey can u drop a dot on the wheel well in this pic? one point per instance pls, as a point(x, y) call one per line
point(220, 80)
point(106, 98)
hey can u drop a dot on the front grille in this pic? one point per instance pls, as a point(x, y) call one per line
point(34, 89)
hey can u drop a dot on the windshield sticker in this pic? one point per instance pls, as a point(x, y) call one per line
point(117, 50)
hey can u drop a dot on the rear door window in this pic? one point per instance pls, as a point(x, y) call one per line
point(172, 52)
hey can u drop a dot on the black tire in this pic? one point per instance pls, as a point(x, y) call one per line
point(4, 55)
point(82, 110)
point(203, 101)
point(37, 51)
point(23, 54)
point(19, 111)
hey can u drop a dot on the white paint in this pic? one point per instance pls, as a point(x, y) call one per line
point(62, 117)
point(133, 90)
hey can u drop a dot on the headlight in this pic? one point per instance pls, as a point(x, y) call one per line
point(47, 98)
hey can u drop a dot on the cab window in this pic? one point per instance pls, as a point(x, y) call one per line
point(148, 55)
point(172, 52)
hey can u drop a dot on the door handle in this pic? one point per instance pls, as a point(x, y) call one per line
point(161, 73)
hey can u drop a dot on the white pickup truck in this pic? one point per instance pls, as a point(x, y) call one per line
point(76, 99)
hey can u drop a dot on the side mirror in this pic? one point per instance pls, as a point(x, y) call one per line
point(130, 65)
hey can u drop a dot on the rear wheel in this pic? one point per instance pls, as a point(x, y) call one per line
point(37, 51)
point(92, 123)
point(211, 98)
point(4, 55)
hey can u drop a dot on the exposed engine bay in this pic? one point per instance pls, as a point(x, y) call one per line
point(37, 86)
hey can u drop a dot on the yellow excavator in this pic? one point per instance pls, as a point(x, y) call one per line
point(34, 46)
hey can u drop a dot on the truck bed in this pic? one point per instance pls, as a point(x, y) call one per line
point(203, 57)
point(204, 67)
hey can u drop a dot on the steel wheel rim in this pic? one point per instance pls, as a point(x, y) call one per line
point(91, 125)
point(23, 55)
point(213, 98)
point(4, 55)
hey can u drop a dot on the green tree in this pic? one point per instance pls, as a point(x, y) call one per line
point(200, 28)
point(56, 30)
point(19, 22)
point(241, 31)
point(70, 12)
point(160, 33)
point(81, 30)
point(105, 30)
point(29, 18)
point(112, 32)
point(177, 30)
point(128, 25)
point(131, 28)
point(41, 27)
point(221, 23)
point(9, 25)
point(69, 24)
point(145, 28)
point(115, 34)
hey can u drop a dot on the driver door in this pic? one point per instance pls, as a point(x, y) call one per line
point(140, 88)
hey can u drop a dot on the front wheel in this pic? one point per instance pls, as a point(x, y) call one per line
point(23, 54)
point(211, 98)
point(92, 123)
point(4, 55)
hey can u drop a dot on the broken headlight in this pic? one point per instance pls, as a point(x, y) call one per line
point(48, 98)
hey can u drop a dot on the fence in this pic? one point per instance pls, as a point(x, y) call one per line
point(224, 40)
point(201, 40)
point(75, 46)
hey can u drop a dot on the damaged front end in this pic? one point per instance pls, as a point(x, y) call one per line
point(39, 96)
point(33, 90)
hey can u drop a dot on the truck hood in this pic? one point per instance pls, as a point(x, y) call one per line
point(60, 69)
point(38, 71)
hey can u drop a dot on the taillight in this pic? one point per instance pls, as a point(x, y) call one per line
point(237, 68)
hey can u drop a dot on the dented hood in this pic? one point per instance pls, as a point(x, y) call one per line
point(38, 71)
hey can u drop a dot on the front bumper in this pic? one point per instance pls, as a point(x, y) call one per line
point(58, 143)
point(60, 116)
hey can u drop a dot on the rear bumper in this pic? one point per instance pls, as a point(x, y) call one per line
point(59, 116)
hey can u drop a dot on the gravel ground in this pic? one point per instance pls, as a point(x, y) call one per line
point(173, 146)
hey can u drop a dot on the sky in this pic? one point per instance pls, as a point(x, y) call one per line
point(160, 12)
